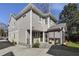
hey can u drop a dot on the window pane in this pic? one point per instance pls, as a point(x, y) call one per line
point(41, 39)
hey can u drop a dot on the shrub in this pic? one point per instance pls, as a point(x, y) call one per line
point(13, 42)
point(36, 45)
point(50, 42)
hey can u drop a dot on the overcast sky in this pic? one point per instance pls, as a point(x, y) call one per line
point(6, 9)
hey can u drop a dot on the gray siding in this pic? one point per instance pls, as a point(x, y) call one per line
point(24, 22)
point(36, 22)
point(24, 25)
point(52, 22)
point(12, 24)
point(11, 29)
point(57, 34)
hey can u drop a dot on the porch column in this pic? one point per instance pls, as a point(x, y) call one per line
point(61, 40)
point(39, 37)
point(18, 38)
point(30, 28)
point(54, 39)
point(43, 37)
point(48, 22)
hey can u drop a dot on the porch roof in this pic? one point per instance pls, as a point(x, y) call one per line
point(57, 27)
point(35, 30)
point(54, 28)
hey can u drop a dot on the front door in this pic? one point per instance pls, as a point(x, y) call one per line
point(36, 37)
point(57, 41)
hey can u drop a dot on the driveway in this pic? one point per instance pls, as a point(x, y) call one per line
point(59, 50)
point(6, 49)
point(4, 44)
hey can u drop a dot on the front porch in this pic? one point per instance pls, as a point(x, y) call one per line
point(42, 38)
point(56, 35)
point(38, 37)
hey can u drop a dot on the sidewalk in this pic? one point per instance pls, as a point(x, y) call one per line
point(23, 51)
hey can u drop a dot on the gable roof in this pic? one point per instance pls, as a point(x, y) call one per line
point(34, 9)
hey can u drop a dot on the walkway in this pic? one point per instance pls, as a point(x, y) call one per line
point(23, 51)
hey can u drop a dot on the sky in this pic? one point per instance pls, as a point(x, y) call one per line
point(8, 8)
point(56, 9)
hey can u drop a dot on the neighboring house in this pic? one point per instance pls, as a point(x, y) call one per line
point(74, 30)
point(32, 25)
point(75, 27)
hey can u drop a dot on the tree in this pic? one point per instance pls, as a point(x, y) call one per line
point(2, 33)
point(66, 14)
point(69, 15)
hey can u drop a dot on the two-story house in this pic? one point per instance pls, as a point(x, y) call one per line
point(32, 25)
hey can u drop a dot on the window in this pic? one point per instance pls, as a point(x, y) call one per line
point(14, 36)
point(14, 23)
point(24, 15)
point(39, 18)
point(41, 38)
point(46, 37)
point(33, 34)
point(74, 30)
point(46, 21)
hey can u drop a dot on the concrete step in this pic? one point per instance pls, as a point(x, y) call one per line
point(24, 44)
point(45, 45)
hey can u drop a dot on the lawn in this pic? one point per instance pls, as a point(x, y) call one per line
point(73, 44)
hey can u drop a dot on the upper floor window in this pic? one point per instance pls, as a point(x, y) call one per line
point(39, 18)
point(46, 21)
point(14, 35)
point(24, 15)
point(14, 23)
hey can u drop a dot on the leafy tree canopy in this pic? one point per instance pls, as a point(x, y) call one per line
point(68, 13)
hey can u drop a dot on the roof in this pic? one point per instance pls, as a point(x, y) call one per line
point(34, 9)
point(62, 25)
point(54, 28)
point(57, 27)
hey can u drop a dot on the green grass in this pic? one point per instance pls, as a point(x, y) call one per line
point(73, 44)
